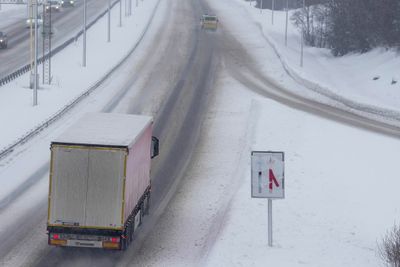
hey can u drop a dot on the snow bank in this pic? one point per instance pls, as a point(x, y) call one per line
point(348, 79)
point(70, 79)
point(341, 195)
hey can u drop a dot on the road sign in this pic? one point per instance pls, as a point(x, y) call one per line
point(267, 174)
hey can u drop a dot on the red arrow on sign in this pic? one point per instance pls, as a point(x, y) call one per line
point(272, 179)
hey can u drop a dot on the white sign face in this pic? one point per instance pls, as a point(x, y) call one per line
point(267, 174)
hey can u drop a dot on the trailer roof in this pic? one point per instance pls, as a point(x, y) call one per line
point(105, 129)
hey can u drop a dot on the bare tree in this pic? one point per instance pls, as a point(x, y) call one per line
point(389, 249)
point(312, 23)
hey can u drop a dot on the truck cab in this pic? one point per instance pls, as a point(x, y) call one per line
point(209, 22)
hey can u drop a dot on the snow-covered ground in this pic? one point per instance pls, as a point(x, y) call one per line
point(341, 191)
point(341, 182)
point(351, 76)
point(70, 79)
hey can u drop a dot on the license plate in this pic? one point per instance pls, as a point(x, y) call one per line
point(84, 243)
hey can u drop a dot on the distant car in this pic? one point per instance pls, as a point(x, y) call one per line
point(209, 22)
point(30, 21)
point(66, 3)
point(53, 5)
point(3, 40)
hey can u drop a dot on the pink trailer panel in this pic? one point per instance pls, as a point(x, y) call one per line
point(137, 171)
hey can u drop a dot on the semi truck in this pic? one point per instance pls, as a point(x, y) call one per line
point(99, 184)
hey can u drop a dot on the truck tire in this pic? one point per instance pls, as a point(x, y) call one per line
point(147, 205)
point(124, 244)
point(131, 231)
point(141, 213)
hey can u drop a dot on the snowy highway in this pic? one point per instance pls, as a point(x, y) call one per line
point(213, 96)
point(183, 82)
point(66, 23)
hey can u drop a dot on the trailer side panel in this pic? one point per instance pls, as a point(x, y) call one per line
point(138, 171)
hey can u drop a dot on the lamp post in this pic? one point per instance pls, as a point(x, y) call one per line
point(287, 19)
point(109, 22)
point(120, 13)
point(35, 81)
point(84, 33)
point(273, 7)
point(302, 37)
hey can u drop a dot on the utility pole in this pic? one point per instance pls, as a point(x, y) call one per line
point(287, 19)
point(47, 31)
point(109, 22)
point(84, 34)
point(35, 82)
point(120, 13)
point(273, 8)
point(302, 37)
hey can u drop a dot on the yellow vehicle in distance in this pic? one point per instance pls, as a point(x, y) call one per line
point(209, 22)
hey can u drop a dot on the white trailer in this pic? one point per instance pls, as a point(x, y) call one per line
point(99, 186)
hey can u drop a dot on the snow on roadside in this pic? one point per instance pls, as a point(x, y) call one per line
point(70, 79)
point(341, 193)
point(351, 76)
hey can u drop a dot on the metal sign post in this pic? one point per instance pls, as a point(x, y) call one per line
point(287, 18)
point(272, 13)
point(268, 179)
point(302, 38)
point(109, 22)
point(84, 33)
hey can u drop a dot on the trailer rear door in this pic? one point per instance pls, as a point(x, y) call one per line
point(104, 194)
point(68, 186)
point(87, 186)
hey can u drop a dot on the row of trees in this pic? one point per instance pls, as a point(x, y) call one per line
point(349, 25)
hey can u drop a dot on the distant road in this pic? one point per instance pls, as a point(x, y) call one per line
point(66, 24)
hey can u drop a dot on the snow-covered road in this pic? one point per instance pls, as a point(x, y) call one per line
point(215, 99)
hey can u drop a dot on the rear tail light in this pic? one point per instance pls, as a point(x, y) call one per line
point(55, 236)
point(114, 239)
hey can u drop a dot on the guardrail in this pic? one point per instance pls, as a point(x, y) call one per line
point(7, 150)
point(24, 69)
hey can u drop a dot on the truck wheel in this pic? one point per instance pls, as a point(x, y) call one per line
point(131, 231)
point(124, 244)
point(141, 213)
point(147, 205)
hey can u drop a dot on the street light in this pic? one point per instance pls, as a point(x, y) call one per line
point(35, 81)
point(84, 33)
point(109, 22)
point(273, 7)
point(287, 19)
point(120, 13)
point(302, 36)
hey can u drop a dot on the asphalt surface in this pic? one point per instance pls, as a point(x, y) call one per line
point(175, 77)
point(66, 23)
